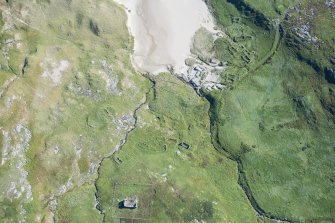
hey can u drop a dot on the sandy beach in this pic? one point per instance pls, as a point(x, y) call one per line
point(163, 31)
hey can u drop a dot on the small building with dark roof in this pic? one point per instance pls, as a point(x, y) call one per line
point(130, 202)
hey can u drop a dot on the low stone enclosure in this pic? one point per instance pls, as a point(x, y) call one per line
point(131, 202)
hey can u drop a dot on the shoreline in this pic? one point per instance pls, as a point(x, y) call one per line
point(169, 28)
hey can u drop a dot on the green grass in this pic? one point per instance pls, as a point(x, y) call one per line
point(8, 211)
point(251, 39)
point(271, 9)
point(278, 123)
point(80, 113)
point(320, 53)
point(199, 183)
point(78, 206)
point(276, 119)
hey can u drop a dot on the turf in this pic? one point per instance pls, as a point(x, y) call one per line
point(275, 124)
point(74, 123)
point(174, 184)
point(265, 144)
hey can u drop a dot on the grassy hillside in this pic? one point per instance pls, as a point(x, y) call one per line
point(173, 183)
point(80, 130)
point(68, 93)
point(275, 123)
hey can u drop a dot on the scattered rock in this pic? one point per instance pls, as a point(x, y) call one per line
point(53, 70)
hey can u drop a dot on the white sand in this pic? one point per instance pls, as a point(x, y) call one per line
point(163, 31)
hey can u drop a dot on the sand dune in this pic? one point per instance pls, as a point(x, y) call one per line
point(163, 31)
